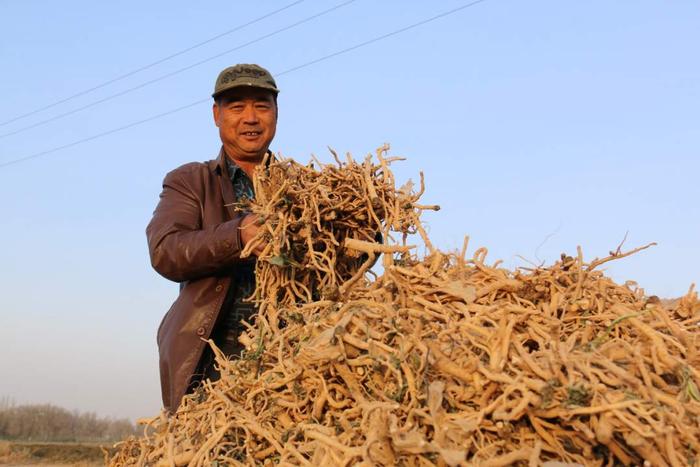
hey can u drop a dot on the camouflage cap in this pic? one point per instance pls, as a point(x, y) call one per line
point(244, 74)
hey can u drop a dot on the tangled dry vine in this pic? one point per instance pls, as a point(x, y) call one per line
point(441, 360)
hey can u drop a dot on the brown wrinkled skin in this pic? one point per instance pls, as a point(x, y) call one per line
point(193, 239)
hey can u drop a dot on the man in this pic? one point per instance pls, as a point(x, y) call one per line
point(196, 236)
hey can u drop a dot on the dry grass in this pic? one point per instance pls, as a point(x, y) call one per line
point(49, 454)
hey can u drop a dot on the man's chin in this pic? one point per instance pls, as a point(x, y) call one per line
point(246, 152)
point(248, 155)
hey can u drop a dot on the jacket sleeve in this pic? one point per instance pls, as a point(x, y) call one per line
point(180, 249)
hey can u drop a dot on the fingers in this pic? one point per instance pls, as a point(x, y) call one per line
point(249, 230)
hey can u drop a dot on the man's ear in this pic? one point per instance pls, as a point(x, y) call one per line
point(215, 111)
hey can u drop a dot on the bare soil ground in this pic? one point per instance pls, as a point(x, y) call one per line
point(15, 454)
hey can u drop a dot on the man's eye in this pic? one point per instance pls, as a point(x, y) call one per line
point(237, 107)
point(262, 106)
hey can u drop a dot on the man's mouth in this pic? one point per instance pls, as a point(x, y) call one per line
point(251, 133)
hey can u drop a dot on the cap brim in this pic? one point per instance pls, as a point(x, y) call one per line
point(272, 89)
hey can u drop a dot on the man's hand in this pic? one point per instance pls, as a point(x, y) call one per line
point(249, 229)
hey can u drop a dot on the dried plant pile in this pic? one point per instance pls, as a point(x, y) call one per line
point(309, 216)
point(686, 308)
point(444, 360)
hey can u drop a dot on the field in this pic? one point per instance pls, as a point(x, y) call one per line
point(50, 454)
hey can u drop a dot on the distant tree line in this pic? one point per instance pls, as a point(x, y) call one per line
point(46, 422)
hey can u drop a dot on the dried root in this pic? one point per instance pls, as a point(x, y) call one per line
point(442, 360)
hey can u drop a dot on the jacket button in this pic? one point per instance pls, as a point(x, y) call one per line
point(219, 288)
point(200, 331)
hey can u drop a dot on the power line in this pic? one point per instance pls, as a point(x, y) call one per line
point(289, 70)
point(176, 72)
point(379, 38)
point(151, 65)
point(104, 133)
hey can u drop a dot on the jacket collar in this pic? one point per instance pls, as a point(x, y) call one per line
point(219, 167)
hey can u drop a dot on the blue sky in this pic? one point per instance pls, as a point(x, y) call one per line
point(539, 126)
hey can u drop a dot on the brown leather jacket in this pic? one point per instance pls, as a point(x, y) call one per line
point(193, 239)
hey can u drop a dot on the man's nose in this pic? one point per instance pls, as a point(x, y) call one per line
point(250, 115)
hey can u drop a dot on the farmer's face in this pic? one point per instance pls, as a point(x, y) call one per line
point(247, 121)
